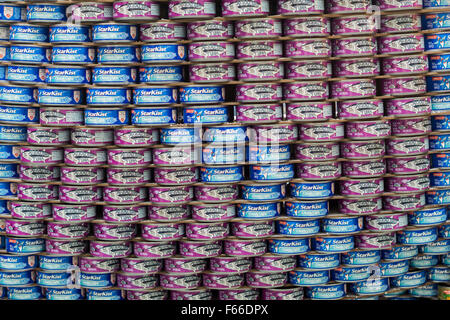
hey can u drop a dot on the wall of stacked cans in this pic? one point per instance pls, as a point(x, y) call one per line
point(224, 150)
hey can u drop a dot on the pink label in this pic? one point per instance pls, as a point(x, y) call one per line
point(287, 7)
point(184, 265)
point(318, 171)
point(308, 69)
point(353, 67)
point(211, 51)
point(298, 27)
point(408, 106)
point(416, 126)
point(67, 212)
point(171, 195)
point(40, 155)
point(90, 11)
point(322, 132)
point(25, 210)
point(309, 111)
point(65, 247)
point(305, 91)
point(354, 46)
point(129, 157)
point(135, 10)
point(36, 192)
point(401, 86)
point(307, 48)
point(231, 8)
point(259, 113)
point(260, 71)
point(258, 92)
point(353, 88)
point(407, 146)
point(265, 280)
point(133, 281)
point(124, 213)
point(175, 156)
point(259, 50)
point(274, 133)
point(355, 149)
point(174, 176)
point(135, 136)
point(245, 247)
point(99, 265)
point(408, 165)
point(404, 65)
point(154, 249)
point(404, 5)
point(84, 156)
point(407, 183)
point(368, 129)
point(360, 109)
point(24, 228)
point(375, 241)
point(223, 281)
point(282, 294)
point(216, 212)
point(341, 6)
point(105, 231)
point(371, 168)
point(258, 229)
point(110, 249)
point(317, 151)
point(202, 231)
point(85, 194)
point(67, 231)
point(162, 32)
point(230, 264)
point(209, 30)
point(278, 263)
point(360, 206)
point(166, 231)
point(401, 43)
point(80, 175)
point(386, 222)
point(404, 202)
point(191, 9)
point(61, 116)
point(200, 249)
point(169, 281)
point(124, 194)
point(168, 213)
point(353, 25)
point(400, 23)
point(128, 176)
point(258, 28)
point(217, 72)
point(39, 174)
point(216, 193)
point(95, 137)
point(366, 187)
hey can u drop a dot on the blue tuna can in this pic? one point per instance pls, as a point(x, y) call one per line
point(223, 154)
point(53, 279)
point(263, 192)
point(25, 74)
point(329, 291)
point(436, 247)
point(73, 54)
point(274, 172)
point(8, 189)
point(13, 133)
point(155, 95)
point(427, 216)
point(63, 294)
point(439, 62)
point(28, 33)
point(440, 123)
point(301, 277)
point(298, 227)
point(163, 52)
point(288, 246)
point(438, 83)
point(8, 171)
point(416, 236)
point(360, 257)
point(4, 211)
point(153, 116)
point(258, 210)
point(4, 32)
point(444, 231)
point(2, 73)
point(439, 142)
point(436, 3)
point(423, 261)
point(438, 197)
point(207, 115)
point(118, 54)
point(46, 12)
point(97, 280)
point(160, 74)
point(221, 174)
point(375, 286)
point(108, 96)
point(56, 263)
point(106, 117)
point(441, 102)
point(16, 278)
point(426, 291)
point(351, 273)
point(60, 96)
point(29, 54)
point(13, 114)
point(269, 153)
point(313, 260)
point(195, 94)
point(24, 246)
point(400, 253)
point(180, 135)
point(15, 262)
point(18, 95)
point(12, 13)
point(393, 268)
point(409, 279)
point(306, 209)
point(311, 190)
point(439, 20)
point(440, 160)
point(440, 41)
point(107, 294)
point(110, 75)
point(342, 224)
point(68, 75)
point(114, 32)
point(439, 274)
point(9, 153)
point(32, 292)
point(69, 33)
point(225, 134)
point(328, 244)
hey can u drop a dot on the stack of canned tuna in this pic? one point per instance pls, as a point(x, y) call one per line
point(258, 155)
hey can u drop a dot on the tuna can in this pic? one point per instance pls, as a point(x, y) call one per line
point(399, 146)
point(97, 280)
point(117, 195)
point(162, 31)
point(311, 190)
point(376, 129)
point(29, 210)
point(253, 8)
point(264, 192)
point(321, 132)
point(408, 165)
point(69, 33)
point(400, 23)
point(408, 184)
point(24, 246)
point(44, 136)
point(73, 54)
point(9, 153)
point(211, 72)
point(264, 28)
point(305, 70)
point(184, 265)
point(364, 168)
point(438, 274)
point(426, 291)
point(437, 41)
point(292, 7)
point(389, 5)
point(176, 156)
point(260, 71)
point(108, 96)
point(95, 264)
point(175, 176)
point(288, 246)
point(110, 249)
point(395, 44)
point(351, 273)
point(84, 156)
point(414, 126)
point(329, 291)
point(31, 292)
point(369, 287)
point(195, 94)
point(349, 89)
point(406, 107)
point(46, 13)
point(105, 294)
point(405, 65)
point(399, 252)
point(404, 202)
point(90, 12)
point(213, 212)
point(300, 277)
point(67, 75)
point(83, 176)
point(140, 265)
point(340, 6)
point(306, 209)
point(36, 192)
point(163, 53)
point(112, 75)
point(435, 21)
point(437, 83)
point(152, 231)
point(361, 187)
point(179, 135)
point(257, 210)
point(61, 116)
point(308, 26)
point(175, 195)
point(440, 123)
point(135, 10)
point(110, 231)
point(312, 260)
point(226, 174)
point(63, 230)
point(38, 174)
point(70, 213)
point(259, 50)
point(135, 137)
point(162, 249)
point(208, 51)
point(12, 13)
point(244, 247)
point(423, 261)
point(155, 96)
point(159, 74)
point(8, 189)
point(252, 93)
point(65, 247)
point(182, 281)
point(16, 263)
point(18, 95)
point(317, 151)
point(417, 236)
point(253, 229)
point(297, 227)
point(307, 48)
point(339, 224)
point(118, 54)
point(147, 116)
point(403, 86)
point(124, 214)
point(349, 47)
point(193, 294)
point(207, 115)
point(19, 115)
point(386, 222)
point(273, 133)
point(274, 263)
point(84, 194)
point(60, 96)
point(14, 278)
point(358, 257)
point(92, 137)
point(258, 279)
point(353, 25)
point(114, 32)
point(439, 179)
point(436, 247)
point(129, 157)
point(24, 228)
point(39, 155)
point(332, 244)
point(225, 134)
point(223, 155)
point(210, 30)
point(106, 117)
point(127, 176)
point(216, 194)
point(25, 74)
point(409, 280)
point(372, 240)
point(182, 9)
point(356, 68)
point(271, 172)
point(444, 232)
point(200, 249)
point(28, 33)
point(301, 91)
point(207, 231)
point(319, 171)
point(225, 264)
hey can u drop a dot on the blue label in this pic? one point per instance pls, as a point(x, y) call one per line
point(410, 279)
point(440, 102)
point(369, 286)
point(27, 33)
point(67, 75)
point(427, 216)
point(225, 134)
point(440, 122)
point(202, 94)
point(7, 189)
point(19, 245)
point(361, 257)
point(114, 32)
point(114, 75)
point(16, 278)
point(437, 41)
point(70, 33)
point(319, 261)
point(435, 21)
point(180, 135)
point(424, 261)
point(436, 247)
point(440, 160)
point(342, 225)
point(20, 53)
point(107, 294)
point(205, 115)
point(438, 197)
point(263, 192)
point(311, 190)
point(53, 279)
point(24, 293)
point(56, 262)
point(157, 95)
point(2, 242)
point(416, 237)
point(160, 74)
point(13, 133)
point(8, 152)
point(73, 54)
point(271, 172)
point(444, 231)
point(288, 246)
point(438, 274)
point(117, 54)
point(12, 13)
point(96, 280)
point(307, 209)
point(258, 210)
point(18, 94)
point(350, 274)
point(221, 174)
point(153, 115)
point(429, 290)
point(10, 262)
point(333, 244)
point(262, 153)
point(439, 142)
point(394, 268)
point(46, 12)
point(53, 96)
point(108, 96)
point(435, 3)
point(102, 117)
point(5, 211)
point(63, 294)
point(298, 228)
point(223, 155)
point(19, 114)
point(163, 53)
point(400, 253)
point(325, 292)
point(308, 278)
point(438, 62)
point(438, 83)
point(8, 171)
point(25, 74)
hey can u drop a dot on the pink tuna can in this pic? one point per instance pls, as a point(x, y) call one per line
point(364, 168)
point(241, 8)
point(200, 249)
point(404, 146)
point(223, 280)
point(372, 240)
point(65, 247)
point(244, 247)
point(262, 92)
point(356, 67)
point(386, 222)
point(306, 27)
point(360, 206)
point(404, 65)
point(90, 12)
point(82, 176)
point(320, 132)
point(356, 109)
point(171, 195)
point(140, 265)
point(112, 231)
point(260, 71)
point(216, 194)
point(183, 9)
point(29, 210)
point(391, 5)
point(24, 228)
point(85, 157)
point(209, 30)
point(176, 176)
point(408, 184)
point(259, 113)
point(350, 47)
point(64, 230)
point(308, 69)
point(309, 111)
point(373, 129)
point(46, 136)
point(180, 281)
point(184, 265)
point(154, 249)
point(135, 10)
point(122, 195)
point(168, 213)
point(411, 126)
point(73, 213)
point(61, 116)
point(265, 28)
point(239, 294)
point(349, 89)
point(211, 72)
point(400, 23)
point(110, 249)
point(353, 25)
point(213, 212)
point(319, 171)
point(124, 213)
point(135, 137)
point(259, 50)
point(301, 91)
point(307, 48)
point(293, 7)
point(282, 294)
point(176, 156)
point(37, 192)
point(80, 194)
point(41, 155)
point(274, 133)
point(408, 202)
point(137, 281)
point(152, 231)
point(39, 174)
point(92, 137)
point(162, 32)
point(230, 264)
point(207, 231)
point(403, 86)
point(211, 51)
point(408, 165)
point(342, 6)
point(363, 149)
point(362, 187)
point(317, 151)
point(395, 44)
point(275, 263)
point(129, 157)
point(149, 294)
point(127, 176)
point(257, 279)
point(98, 265)
point(407, 107)
point(253, 229)
point(195, 294)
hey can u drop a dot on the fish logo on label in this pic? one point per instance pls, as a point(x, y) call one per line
point(244, 6)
